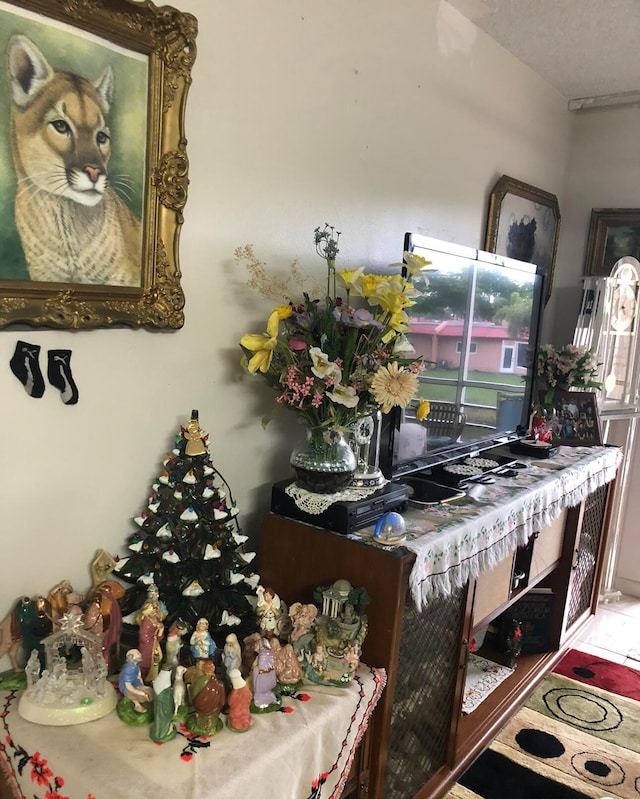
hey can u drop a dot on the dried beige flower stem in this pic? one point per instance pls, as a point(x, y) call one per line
point(270, 286)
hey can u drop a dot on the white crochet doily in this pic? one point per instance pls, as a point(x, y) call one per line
point(316, 504)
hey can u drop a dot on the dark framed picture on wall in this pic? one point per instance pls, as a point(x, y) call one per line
point(613, 233)
point(576, 421)
point(524, 223)
point(95, 171)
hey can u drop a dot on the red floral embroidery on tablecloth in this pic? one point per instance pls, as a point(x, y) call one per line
point(316, 785)
point(18, 757)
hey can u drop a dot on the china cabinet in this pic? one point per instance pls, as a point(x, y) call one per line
point(419, 741)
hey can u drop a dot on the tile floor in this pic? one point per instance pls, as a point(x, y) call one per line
point(615, 632)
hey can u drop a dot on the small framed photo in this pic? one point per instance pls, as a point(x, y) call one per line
point(576, 422)
point(613, 233)
point(524, 223)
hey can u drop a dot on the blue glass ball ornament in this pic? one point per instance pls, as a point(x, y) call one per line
point(390, 528)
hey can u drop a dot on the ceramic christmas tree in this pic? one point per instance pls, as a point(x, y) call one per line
point(189, 544)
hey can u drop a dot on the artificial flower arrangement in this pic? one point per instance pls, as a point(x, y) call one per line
point(561, 369)
point(331, 362)
point(565, 368)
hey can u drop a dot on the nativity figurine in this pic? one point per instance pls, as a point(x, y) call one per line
point(201, 643)
point(131, 684)
point(239, 701)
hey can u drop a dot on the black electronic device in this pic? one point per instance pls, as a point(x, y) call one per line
point(342, 517)
point(425, 492)
point(532, 448)
point(476, 322)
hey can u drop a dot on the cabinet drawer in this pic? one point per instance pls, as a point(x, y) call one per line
point(493, 588)
point(547, 547)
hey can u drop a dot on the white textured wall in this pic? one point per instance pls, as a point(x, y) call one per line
point(605, 173)
point(376, 116)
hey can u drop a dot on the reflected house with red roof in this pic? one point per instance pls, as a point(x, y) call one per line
point(492, 347)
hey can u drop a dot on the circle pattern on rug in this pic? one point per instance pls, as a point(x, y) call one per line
point(582, 709)
point(539, 743)
point(598, 768)
point(583, 671)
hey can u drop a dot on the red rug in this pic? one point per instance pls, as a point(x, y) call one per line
point(592, 670)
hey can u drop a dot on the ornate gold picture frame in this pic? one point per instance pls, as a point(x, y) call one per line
point(93, 162)
point(613, 233)
point(524, 223)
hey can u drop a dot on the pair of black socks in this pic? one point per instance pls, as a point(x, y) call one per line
point(26, 367)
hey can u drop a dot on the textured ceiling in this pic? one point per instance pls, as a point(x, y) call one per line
point(585, 48)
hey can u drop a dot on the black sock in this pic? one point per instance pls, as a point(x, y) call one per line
point(59, 374)
point(26, 368)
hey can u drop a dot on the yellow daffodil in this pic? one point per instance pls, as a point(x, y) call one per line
point(423, 410)
point(283, 311)
point(350, 279)
point(262, 345)
point(388, 291)
point(369, 284)
point(397, 324)
point(416, 264)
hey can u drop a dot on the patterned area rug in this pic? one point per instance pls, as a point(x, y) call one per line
point(572, 740)
point(609, 676)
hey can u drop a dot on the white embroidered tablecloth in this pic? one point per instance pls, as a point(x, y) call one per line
point(305, 753)
point(456, 541)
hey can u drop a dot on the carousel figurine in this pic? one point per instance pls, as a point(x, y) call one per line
point(333, 656)
point(239, 701)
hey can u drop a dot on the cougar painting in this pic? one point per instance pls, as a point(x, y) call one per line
point(73, 227)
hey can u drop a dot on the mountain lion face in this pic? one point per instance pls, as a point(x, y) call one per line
point(61, 132)
point(73, 226)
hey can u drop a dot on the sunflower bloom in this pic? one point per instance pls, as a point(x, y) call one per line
point(393, 385)
point(262, 345)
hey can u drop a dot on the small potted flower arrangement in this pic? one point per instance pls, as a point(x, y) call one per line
point(335, 359)
point(565, 368)
point(568, 367)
